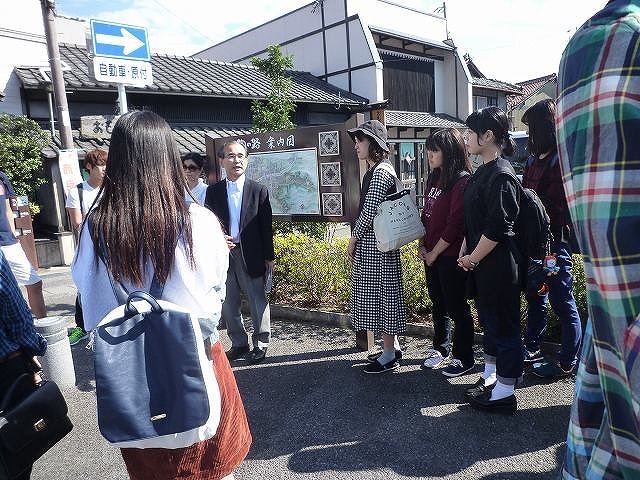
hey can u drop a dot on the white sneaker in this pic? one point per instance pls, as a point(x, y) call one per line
point(434, 359)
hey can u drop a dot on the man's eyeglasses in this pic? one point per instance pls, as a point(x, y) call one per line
point(233, 156)
point(191, 168)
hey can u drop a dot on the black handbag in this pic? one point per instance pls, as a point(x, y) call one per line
point(33, 418)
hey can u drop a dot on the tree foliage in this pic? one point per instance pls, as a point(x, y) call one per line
point(275, 113)
point(21, 143)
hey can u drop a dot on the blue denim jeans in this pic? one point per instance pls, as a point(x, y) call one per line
point(561, 298)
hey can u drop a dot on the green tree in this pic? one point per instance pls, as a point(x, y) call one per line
point(21, 144)
point(275, 113)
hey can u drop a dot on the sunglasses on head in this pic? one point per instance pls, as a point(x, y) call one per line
point(191, 168)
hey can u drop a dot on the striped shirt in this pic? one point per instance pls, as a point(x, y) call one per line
point(16, 326)
point(598, 127)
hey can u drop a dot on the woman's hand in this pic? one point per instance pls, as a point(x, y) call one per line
point(430, 258)
point(351, 249)
point(422, 252)
point(466, 263)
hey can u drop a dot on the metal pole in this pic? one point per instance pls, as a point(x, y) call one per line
point(122, 99)
point(51, 34)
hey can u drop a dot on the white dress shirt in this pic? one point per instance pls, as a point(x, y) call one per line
point(234, 200)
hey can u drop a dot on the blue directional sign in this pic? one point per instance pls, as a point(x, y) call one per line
point(116, 40)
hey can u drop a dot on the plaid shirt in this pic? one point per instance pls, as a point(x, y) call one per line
point(16, 326)
point(599, 145)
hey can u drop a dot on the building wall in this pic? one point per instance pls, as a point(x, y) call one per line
point(347, 28)
point(547, 92)
point(22, 42)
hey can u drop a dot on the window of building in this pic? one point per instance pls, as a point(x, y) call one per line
point(481, 101)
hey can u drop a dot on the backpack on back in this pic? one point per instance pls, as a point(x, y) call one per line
point(532, 237)
point(155, 383)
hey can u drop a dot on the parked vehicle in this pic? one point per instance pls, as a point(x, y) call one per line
point(521, 152)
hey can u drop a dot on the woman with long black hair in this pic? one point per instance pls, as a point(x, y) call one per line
point(144, 227)
point(491, 206)
point(443, 220)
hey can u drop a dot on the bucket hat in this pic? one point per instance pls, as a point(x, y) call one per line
point(374, 130)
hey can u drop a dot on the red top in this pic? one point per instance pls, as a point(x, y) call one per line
point(442, 216)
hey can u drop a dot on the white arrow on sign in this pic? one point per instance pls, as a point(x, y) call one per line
point(130, 42)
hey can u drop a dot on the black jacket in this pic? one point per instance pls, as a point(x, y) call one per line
point(256, 230)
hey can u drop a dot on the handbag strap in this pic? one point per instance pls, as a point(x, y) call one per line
point(389, 168)
point(15, 387)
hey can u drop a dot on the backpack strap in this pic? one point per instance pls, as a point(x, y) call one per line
point(119, 291)
point(80, 196)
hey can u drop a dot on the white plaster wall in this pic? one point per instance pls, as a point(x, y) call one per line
point(363, 48)
point(333, 11)
point(336, 48)
point(22, 42)
point(398, 18)
point(367, 82)
point(439, 85)
point(291, 25)
point(307, 54)
point(341, 80)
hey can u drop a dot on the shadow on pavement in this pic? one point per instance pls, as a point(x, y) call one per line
point(319, 409)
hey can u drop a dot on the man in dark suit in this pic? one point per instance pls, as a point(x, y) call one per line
point(243, 208)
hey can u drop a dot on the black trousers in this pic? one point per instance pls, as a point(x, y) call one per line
point(446, 283)
point(9, 372)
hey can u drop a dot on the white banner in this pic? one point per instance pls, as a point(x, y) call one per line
point(69, 169)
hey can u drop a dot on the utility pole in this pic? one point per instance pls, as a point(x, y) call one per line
point(51, 34)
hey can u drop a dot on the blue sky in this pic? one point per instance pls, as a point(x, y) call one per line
point(510, 40)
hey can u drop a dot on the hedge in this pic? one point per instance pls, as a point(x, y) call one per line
point(315, 273)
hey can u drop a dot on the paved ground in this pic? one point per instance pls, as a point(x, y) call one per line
point(313, 414)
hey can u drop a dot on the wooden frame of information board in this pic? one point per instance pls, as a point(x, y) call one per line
point(312, 173)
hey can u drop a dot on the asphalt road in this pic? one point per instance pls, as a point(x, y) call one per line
point(315, 415)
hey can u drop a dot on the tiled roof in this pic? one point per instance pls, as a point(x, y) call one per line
point(492, 84)
point(529, 88)
point(197, 77)
point(395, 118)
point(190, 138)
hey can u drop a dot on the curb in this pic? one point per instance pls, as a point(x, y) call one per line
point(343, 320)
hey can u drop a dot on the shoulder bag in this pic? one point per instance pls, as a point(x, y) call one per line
point(397, 221)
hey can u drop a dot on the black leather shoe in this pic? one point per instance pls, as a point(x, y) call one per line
point(479, 388)
point(504, 405)
point(372, 357)
point(235, 353)
point(377, 367)
point(257, 355)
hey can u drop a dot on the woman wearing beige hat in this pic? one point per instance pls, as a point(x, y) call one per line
point(377, 295)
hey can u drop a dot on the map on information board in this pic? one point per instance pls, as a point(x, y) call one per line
point(291, 177)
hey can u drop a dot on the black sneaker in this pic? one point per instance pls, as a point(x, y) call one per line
point(377, 367)
point(235, 353)
point(532, 357)
point(456, 368)
point(372, 357)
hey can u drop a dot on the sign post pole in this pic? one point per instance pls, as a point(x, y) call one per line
point(122, 99)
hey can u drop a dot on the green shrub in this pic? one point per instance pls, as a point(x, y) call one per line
point(314, 273)
point(21, 142)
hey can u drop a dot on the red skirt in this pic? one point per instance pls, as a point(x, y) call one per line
point(209, 460)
